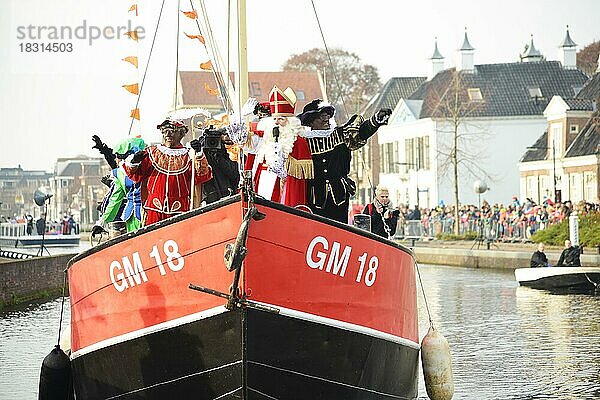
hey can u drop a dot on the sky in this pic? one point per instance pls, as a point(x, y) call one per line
point(51, 103)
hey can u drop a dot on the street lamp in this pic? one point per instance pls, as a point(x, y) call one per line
point(553, 164)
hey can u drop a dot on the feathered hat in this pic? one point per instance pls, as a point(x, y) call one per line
point(174, 122)
point(313, 109)
point(282, 103)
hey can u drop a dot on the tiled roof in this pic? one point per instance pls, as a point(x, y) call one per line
point(591, 90)
point(539, 150)
point(580, 104)
point(588, 140)
point(391, 93)
point(505, 88)
point(305, 84)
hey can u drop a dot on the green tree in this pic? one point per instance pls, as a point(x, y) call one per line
point(358, 82)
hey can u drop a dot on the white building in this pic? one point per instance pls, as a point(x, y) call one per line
point(499, 112)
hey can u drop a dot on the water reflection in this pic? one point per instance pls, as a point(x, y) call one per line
point(27, 336)
point(510, 342)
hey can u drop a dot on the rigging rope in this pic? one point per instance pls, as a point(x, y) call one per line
point(177, 55)
point(335, 77)
point(147, 65)
point(62, 307)
point(423, 291)
point(337, 82)
point(222, 82)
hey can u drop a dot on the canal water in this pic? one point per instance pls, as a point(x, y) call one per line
point(507, 342)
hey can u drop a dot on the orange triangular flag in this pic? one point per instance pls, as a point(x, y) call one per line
point(214, 92)
point(207, 66)
point(199, 37)
point(131, 59)
point(190, 14)
point(133, 35)
point(134, 8)
point(135, 113)
point(133, 88)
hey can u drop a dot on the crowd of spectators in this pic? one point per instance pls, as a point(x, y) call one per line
point(512, 221)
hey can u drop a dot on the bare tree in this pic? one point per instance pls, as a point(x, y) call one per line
point(587, 58)
point(461, 150)
point(358, 82)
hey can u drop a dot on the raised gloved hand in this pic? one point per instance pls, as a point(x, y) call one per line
point(383, 116)
point(196, 145)
point(138, 157)
point(98, 230)
point(98, 143)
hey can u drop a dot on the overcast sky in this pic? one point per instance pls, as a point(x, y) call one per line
point(51, 103)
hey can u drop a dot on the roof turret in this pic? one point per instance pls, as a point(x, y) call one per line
point(568, 42)
point(436, 53)
point(466, 45)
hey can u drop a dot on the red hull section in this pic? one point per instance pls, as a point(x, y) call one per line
point(295, 261)
point(105, 302)
point(320, 269)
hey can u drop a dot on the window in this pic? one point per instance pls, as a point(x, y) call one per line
point(474, 94)
point(422, 153)
point(590, 188)
point(300, 95)
point(575, 187)
point(409, 154)
point(574, 129)
point(390, 156)
point(531, 188)
point(255, 90)
point(8, 184)
point(535, 92)
point(556, 137)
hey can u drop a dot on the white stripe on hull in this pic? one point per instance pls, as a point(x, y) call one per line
point(221, 309)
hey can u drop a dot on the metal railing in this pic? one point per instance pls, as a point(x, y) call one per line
point(487, 229)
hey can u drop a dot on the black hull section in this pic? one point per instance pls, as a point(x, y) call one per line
point(249, 354)
point(566, 282)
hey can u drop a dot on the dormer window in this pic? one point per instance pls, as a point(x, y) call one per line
point(474, 94)
point(535, 92)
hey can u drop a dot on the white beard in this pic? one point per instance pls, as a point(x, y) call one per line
point(275, 153)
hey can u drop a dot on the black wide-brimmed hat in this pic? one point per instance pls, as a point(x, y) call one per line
point(313, 109)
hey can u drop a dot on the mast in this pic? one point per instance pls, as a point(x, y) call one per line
point(242, 76)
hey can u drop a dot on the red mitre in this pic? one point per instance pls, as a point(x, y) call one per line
point(282, 103)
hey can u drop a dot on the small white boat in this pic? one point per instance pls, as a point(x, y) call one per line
point(560, 278)
point(15, 235)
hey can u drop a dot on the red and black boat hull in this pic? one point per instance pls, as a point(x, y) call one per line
point(338, 315)
point(249, 354)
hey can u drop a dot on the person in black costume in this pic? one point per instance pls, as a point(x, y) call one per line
point(226, 176)
point(383, 217)
point(538, 258)
point(569, 256)
point(328, 193)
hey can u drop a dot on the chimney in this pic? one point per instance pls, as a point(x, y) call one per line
point(466, 55)
point(436, 62)
point(567, 53)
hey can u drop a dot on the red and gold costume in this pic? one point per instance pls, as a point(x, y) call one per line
point(168, 176)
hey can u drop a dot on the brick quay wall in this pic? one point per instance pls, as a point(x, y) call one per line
point(22, 281)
